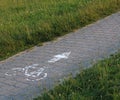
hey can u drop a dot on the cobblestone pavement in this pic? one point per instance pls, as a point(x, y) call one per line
point(28, 74)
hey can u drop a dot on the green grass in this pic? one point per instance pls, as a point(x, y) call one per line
point(100, 82)
point(25, 23)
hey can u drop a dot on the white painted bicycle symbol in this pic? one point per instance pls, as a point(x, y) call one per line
point(32, 73)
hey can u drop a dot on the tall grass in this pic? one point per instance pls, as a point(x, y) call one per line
point(100, 82)
point(25, 23)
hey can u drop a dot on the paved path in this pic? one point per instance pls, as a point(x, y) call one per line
point(24, 76)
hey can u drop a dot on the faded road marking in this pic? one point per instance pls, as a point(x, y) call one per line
point(32, 72)
point(58, 57)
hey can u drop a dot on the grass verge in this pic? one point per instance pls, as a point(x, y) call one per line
point(100, 82)
point(25, 23)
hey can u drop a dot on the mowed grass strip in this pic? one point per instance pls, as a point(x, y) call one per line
point(100, 82)
point(25, 23)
